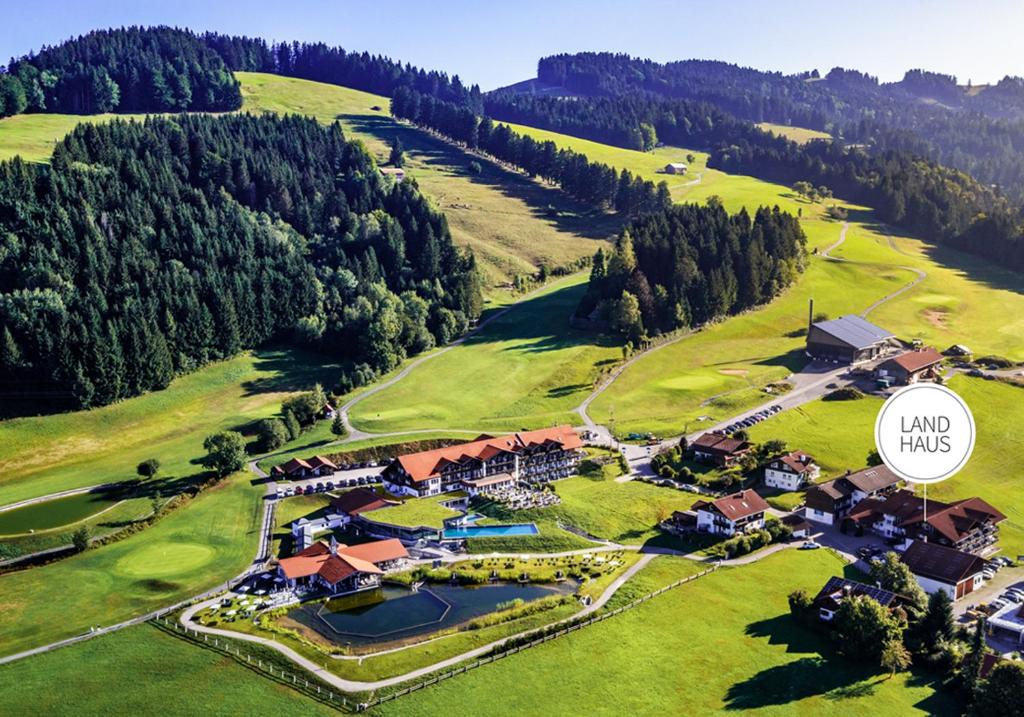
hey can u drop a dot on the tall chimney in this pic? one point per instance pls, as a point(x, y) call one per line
point(810, 313)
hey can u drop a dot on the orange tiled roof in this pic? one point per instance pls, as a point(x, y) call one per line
point(425, 464)
point(318, 559)
point(736, 506)
point(912, 361)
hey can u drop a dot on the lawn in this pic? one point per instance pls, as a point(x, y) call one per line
point(527, 369)
point(800, 135)
point(839, 435)
point(192, 549)
point(45, 454)
point(416, 512)
point(33, 136)
point(143, 670)
point(621, 512)
point(725, 642)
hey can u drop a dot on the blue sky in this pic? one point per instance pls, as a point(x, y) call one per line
point(498, 43)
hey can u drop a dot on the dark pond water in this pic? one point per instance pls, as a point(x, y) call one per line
point(404, 613)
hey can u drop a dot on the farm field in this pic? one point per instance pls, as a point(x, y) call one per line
point(801, 135)
point(992, 472)
point(528, 369)
point(45, 454)
point(751, 656)
point(194, 548)
point(134, 670)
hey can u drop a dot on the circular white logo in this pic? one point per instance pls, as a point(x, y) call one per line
point(924, 433)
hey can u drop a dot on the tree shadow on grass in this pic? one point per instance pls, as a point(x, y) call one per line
point(291, 370)
point(798, 680)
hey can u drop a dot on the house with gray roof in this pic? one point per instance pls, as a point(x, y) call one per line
point(848, 339)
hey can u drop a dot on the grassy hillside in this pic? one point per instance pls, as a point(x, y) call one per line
point(528, 369)
point(45, 454)
point(839, 435)
point(141, 670)
point(512, 223)
point(725, 642)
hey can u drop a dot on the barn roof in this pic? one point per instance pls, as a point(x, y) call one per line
point(854, 330)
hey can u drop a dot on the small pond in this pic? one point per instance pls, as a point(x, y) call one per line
point(404, 613)
point(53, 513)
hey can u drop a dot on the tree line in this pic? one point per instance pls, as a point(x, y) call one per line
point(595, 183)
point(689, 264)
point(633, 120)
point(146, 249)
point(133, 69)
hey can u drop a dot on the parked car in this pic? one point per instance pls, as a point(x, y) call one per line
point(809, 545)
point(330, 485)
point(988, 574)
point(997, 604)
point(1011, 597)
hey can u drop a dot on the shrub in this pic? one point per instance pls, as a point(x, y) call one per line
point(475, 167)
point(847, 393)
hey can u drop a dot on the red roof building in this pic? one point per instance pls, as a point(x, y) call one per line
point(911, 366)
point(301, 468)
point(529, 456)
point(339, 568)
point(359, 500)
point(739, 512)
point(970, 525)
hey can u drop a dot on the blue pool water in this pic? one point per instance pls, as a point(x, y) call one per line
point(490, 531)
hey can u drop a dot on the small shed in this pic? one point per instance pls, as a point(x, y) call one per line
point(675, 168)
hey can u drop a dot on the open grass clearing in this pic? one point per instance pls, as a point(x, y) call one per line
point(800, 135)
point(416, 512)
point(141, 670)
point(192, 549)
point(45, 454)
point(725, 642)
point(527, 369)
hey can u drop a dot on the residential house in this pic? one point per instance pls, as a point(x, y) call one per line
point(829, 502)
point(938, 567)
point(970, 525)
point(530, 456)
point(791, 471)
point(910, 367)
point(718, 448)
point(302, 468)
point(338, 568)
point(396, 173)
point(737, 513)
point(848, 339)
point(831, 596)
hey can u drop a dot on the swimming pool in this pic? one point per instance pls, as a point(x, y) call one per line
point(490, 531)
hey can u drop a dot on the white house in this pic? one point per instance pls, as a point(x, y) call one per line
point(937, 567)
point(791, 471)
point(737, 513)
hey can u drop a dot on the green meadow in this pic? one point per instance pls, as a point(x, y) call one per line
point(45, 454)
point(191, 550)
point(839, 434)
point(723, 643)
point(800, 135)
point(527, 369)
point(139, 670)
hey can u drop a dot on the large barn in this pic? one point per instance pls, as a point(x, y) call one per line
point(848, 339)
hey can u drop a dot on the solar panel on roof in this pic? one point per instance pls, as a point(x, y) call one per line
point(854, 330)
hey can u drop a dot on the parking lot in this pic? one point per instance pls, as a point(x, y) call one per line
point(349, 478)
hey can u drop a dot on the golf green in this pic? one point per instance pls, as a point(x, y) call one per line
point(165, 559)
point(52, 513)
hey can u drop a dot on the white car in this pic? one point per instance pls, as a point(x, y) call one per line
point(809, 545)
point(997, 604)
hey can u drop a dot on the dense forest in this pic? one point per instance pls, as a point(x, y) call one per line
point(127, 70)
point(981, 133)
point(689, 264)
point(146, 249)
point(595, 183)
